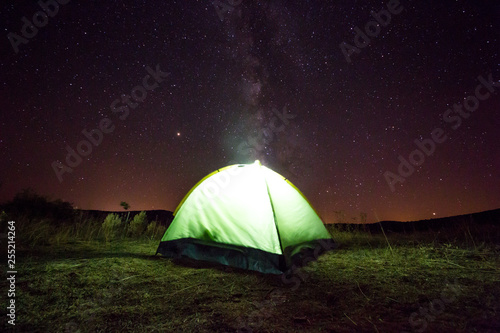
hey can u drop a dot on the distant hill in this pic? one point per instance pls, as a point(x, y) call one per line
point(164, 217)
point(490, 217)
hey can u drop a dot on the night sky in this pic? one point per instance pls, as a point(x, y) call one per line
point(271, 81)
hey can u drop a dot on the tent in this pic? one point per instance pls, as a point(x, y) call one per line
point(246, 216)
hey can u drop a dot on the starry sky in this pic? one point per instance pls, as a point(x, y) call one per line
point(312, 89)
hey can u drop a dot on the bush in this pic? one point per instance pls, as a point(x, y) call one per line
point(112, 226)
point(138, 225)
point(36, 232)
point(155, 230)
point(31, 205)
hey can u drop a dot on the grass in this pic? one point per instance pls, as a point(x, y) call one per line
point(77, 282)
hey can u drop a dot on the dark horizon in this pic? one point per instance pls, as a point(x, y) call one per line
point(168, 215)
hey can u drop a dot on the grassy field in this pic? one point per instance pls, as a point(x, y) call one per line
point(70, 282)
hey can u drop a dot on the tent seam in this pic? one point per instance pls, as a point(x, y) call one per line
point(272, 208)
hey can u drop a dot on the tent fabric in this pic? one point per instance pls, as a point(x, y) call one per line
point(247, 216)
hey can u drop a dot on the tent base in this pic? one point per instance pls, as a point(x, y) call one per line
point(244, 257)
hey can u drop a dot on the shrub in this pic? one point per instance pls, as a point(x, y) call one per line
point(155, 230)
point(36, 232)
point(112, 226)
point(138, 224)
point(62, 235)
point(88, 230)
point(31, 205)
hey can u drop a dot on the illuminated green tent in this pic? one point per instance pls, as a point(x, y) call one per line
point(246, 216)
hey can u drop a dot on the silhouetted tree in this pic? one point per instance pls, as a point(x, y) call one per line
point(125, 206)
point(31, 205)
